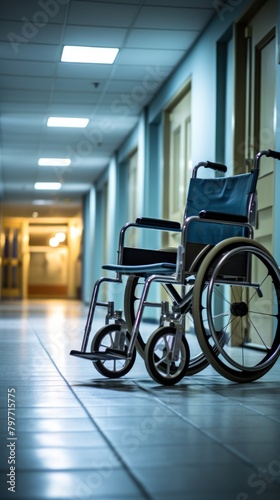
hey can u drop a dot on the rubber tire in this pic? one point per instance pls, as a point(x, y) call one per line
point(152, 361)
point(104, 366)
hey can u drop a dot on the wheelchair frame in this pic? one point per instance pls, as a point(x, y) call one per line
point(166, 354)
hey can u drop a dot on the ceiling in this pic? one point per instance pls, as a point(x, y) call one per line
point(153, 36)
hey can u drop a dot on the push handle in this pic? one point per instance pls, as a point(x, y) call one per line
point(272, 154)
point(209, 164)
point(215, 166)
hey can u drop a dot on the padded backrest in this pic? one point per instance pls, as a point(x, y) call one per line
point(229, 195)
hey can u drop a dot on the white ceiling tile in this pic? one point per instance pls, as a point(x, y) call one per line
point(31, 52)
point(88, 71)
point(13, 32)
point(24, 96)
point(66, 97)
point(71, 84)
point(26, 83)
point(139, 73)
point(154, 57)
point(123, 86)
point(160, 39)
point(102, 14)
point(32, 13)
point(94, 36)
point(173, 18)
point(26, 68)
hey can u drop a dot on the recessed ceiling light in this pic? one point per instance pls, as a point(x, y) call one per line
point(60, 236)
point(53, 242)
point(54, 162)
point(92, 55)
point(60, 121)
point(47, 185)
point(42, 202)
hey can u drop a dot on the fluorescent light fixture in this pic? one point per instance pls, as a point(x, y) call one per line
point(42, 202)
point(54, 162)
point(60, 121)
point(92, 55)
point(47, 185)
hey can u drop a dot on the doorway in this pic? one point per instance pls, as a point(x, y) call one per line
point(48, 262)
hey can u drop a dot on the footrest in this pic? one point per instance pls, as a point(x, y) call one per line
point(117, 353)
point(109, 354)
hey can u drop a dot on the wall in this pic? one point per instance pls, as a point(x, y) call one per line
point(88, 243)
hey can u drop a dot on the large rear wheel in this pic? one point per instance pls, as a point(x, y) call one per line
point(237, 317)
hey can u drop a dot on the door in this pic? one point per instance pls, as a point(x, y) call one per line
point(48, 272)
point(132, 201)
point(177, 168)
point(259, 118)
point(260, 111)
point(12, 256)
point(177, 172)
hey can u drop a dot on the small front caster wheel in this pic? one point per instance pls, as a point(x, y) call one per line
point(114, 337)
point(159, 356)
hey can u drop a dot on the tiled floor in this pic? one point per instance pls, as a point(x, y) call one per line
point(81, 436)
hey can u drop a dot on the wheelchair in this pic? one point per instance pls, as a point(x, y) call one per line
point(219, 290)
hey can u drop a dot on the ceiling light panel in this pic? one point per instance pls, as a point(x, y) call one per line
point(60, 121)
point(54, 162)
point(90, 55)
point(42, 202)
point(47, 185)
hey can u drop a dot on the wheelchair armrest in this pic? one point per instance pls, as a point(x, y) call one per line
point(205, 214)
point(158, 223)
